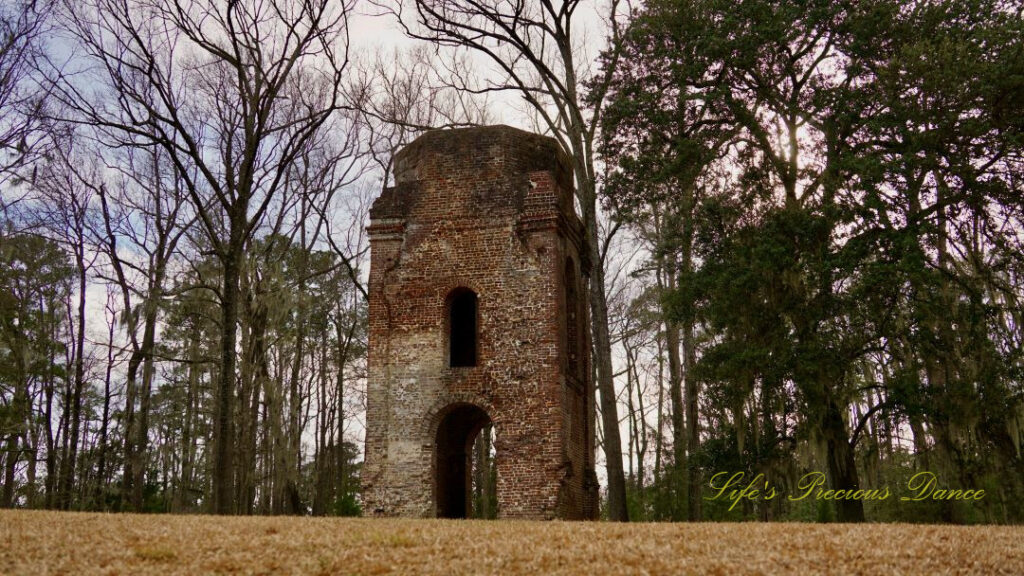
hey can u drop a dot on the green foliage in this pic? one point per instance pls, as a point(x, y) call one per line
point(346, 505)
point(666, 496)
point(35, 278)
point(845, 180)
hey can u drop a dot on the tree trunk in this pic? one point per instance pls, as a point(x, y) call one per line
point(341, 486)
point(21, 412)
point(68, 468)
point(675, 378)
point(32, 453)
point(131, 384)
point(675, 387)
point(293, 458)
point(141, 431)
point(602, 347)
point(51, 440)
point(101, 468)
point(223, 454)
point(694, 480)
point(640, 428)
point(10, 463)
point(660, 425)
point(632, 438)
point(842, 468)
point(187, 444)
point(324, 418)
point(253, 379)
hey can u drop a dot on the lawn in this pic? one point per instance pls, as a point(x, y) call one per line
point(33, 542)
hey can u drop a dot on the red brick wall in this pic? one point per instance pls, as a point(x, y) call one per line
point(489, 209)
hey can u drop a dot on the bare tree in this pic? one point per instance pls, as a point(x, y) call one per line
point(143, 221)
point(230, 92)
point(400, 95)
point(22, 24)
point(536, 48)
point(64, 207)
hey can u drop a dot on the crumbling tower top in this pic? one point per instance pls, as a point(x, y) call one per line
point(495, 162)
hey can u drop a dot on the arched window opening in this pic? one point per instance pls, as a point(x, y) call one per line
point(572, 321)
point(462, 329)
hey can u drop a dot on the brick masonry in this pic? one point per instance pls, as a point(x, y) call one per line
point(489, 209)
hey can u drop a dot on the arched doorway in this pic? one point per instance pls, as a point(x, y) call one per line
point(453, 452)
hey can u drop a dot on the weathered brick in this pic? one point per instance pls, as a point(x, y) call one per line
point(488, 209)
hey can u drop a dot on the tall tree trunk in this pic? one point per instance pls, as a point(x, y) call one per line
point(32, 454)
point(293, 456)
point(842, 468)
point(187, 444)
point(21, 413)
point(252, 376)
point(324, 418)
point(131, 385)
point(694, 480)
point(689, 349)
point(68, 468)
point(660, 425)
point(344, 342)
point(101, 467)
point(63, 433)
point(51, 439)
point(602, 347)
point(141, 431)
point(675, 377)
point(678, 410)
point(632, 441)
point(224, 450)
point(640, 431)
point(10, 465)
point(479, 472)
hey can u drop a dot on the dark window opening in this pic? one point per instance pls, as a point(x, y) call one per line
point(572, 325)
point(462, 329)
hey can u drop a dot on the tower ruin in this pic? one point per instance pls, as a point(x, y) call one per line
point(479, 315)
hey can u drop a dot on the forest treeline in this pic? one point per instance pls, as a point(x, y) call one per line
point(832, 196)
point(806, 219)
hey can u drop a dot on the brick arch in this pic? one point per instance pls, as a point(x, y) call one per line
point(446, 289)
point(439, 409)
point(453, 428)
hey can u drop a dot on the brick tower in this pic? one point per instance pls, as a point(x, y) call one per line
point(478, 314)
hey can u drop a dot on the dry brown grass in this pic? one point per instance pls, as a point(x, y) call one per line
point(76, 543)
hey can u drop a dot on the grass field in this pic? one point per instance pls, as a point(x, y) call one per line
point(34, 542)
